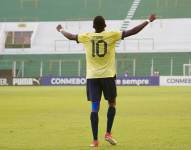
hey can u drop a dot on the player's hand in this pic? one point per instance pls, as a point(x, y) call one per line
point(59, 27)
point(152, 17)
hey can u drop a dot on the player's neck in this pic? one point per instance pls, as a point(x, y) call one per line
point(99, 31)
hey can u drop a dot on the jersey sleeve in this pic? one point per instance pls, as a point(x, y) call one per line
point(116, 36)
point(82, 38)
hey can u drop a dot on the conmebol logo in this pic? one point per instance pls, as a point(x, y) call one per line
point(68, 81)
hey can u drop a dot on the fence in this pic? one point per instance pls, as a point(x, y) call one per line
point(135, 64)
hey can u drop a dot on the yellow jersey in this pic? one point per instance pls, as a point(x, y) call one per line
point(100, 53)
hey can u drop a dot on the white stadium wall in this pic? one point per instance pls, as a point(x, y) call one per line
point(164, 35)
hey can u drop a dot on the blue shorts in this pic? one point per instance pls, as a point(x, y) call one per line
point(95, 87)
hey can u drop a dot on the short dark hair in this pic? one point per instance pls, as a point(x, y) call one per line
point(99, 22)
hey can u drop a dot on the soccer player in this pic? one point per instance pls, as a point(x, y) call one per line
point(100, 69)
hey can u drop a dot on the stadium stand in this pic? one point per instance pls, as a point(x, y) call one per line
point(164, 8)
point(164, 45)
point(39, 10)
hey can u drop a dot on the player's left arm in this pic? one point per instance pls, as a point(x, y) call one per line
point(68, 35)
point(138, 28)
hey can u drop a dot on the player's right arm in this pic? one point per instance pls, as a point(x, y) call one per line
point(138, 28)
point(68, 35)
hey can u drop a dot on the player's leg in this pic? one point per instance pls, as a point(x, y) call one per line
point(110, 119)
point(94, 122)
point(94, 95)
point(110, 94)
point(111, 114)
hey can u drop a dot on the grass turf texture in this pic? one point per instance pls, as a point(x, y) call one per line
point(57, 118)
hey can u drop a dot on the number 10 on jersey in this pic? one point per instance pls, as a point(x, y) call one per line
point(96, 48)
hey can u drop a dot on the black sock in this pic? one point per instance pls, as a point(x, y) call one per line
point(110, 118)
point(94, 123)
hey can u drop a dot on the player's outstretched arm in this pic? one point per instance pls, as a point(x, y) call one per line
point(66, 34)
point(138, 28)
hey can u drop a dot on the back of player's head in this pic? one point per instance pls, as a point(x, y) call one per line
point(99, 23)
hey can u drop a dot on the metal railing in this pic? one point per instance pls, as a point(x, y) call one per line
point(130, 43)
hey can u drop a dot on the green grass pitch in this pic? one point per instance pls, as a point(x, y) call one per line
point(57, 118)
